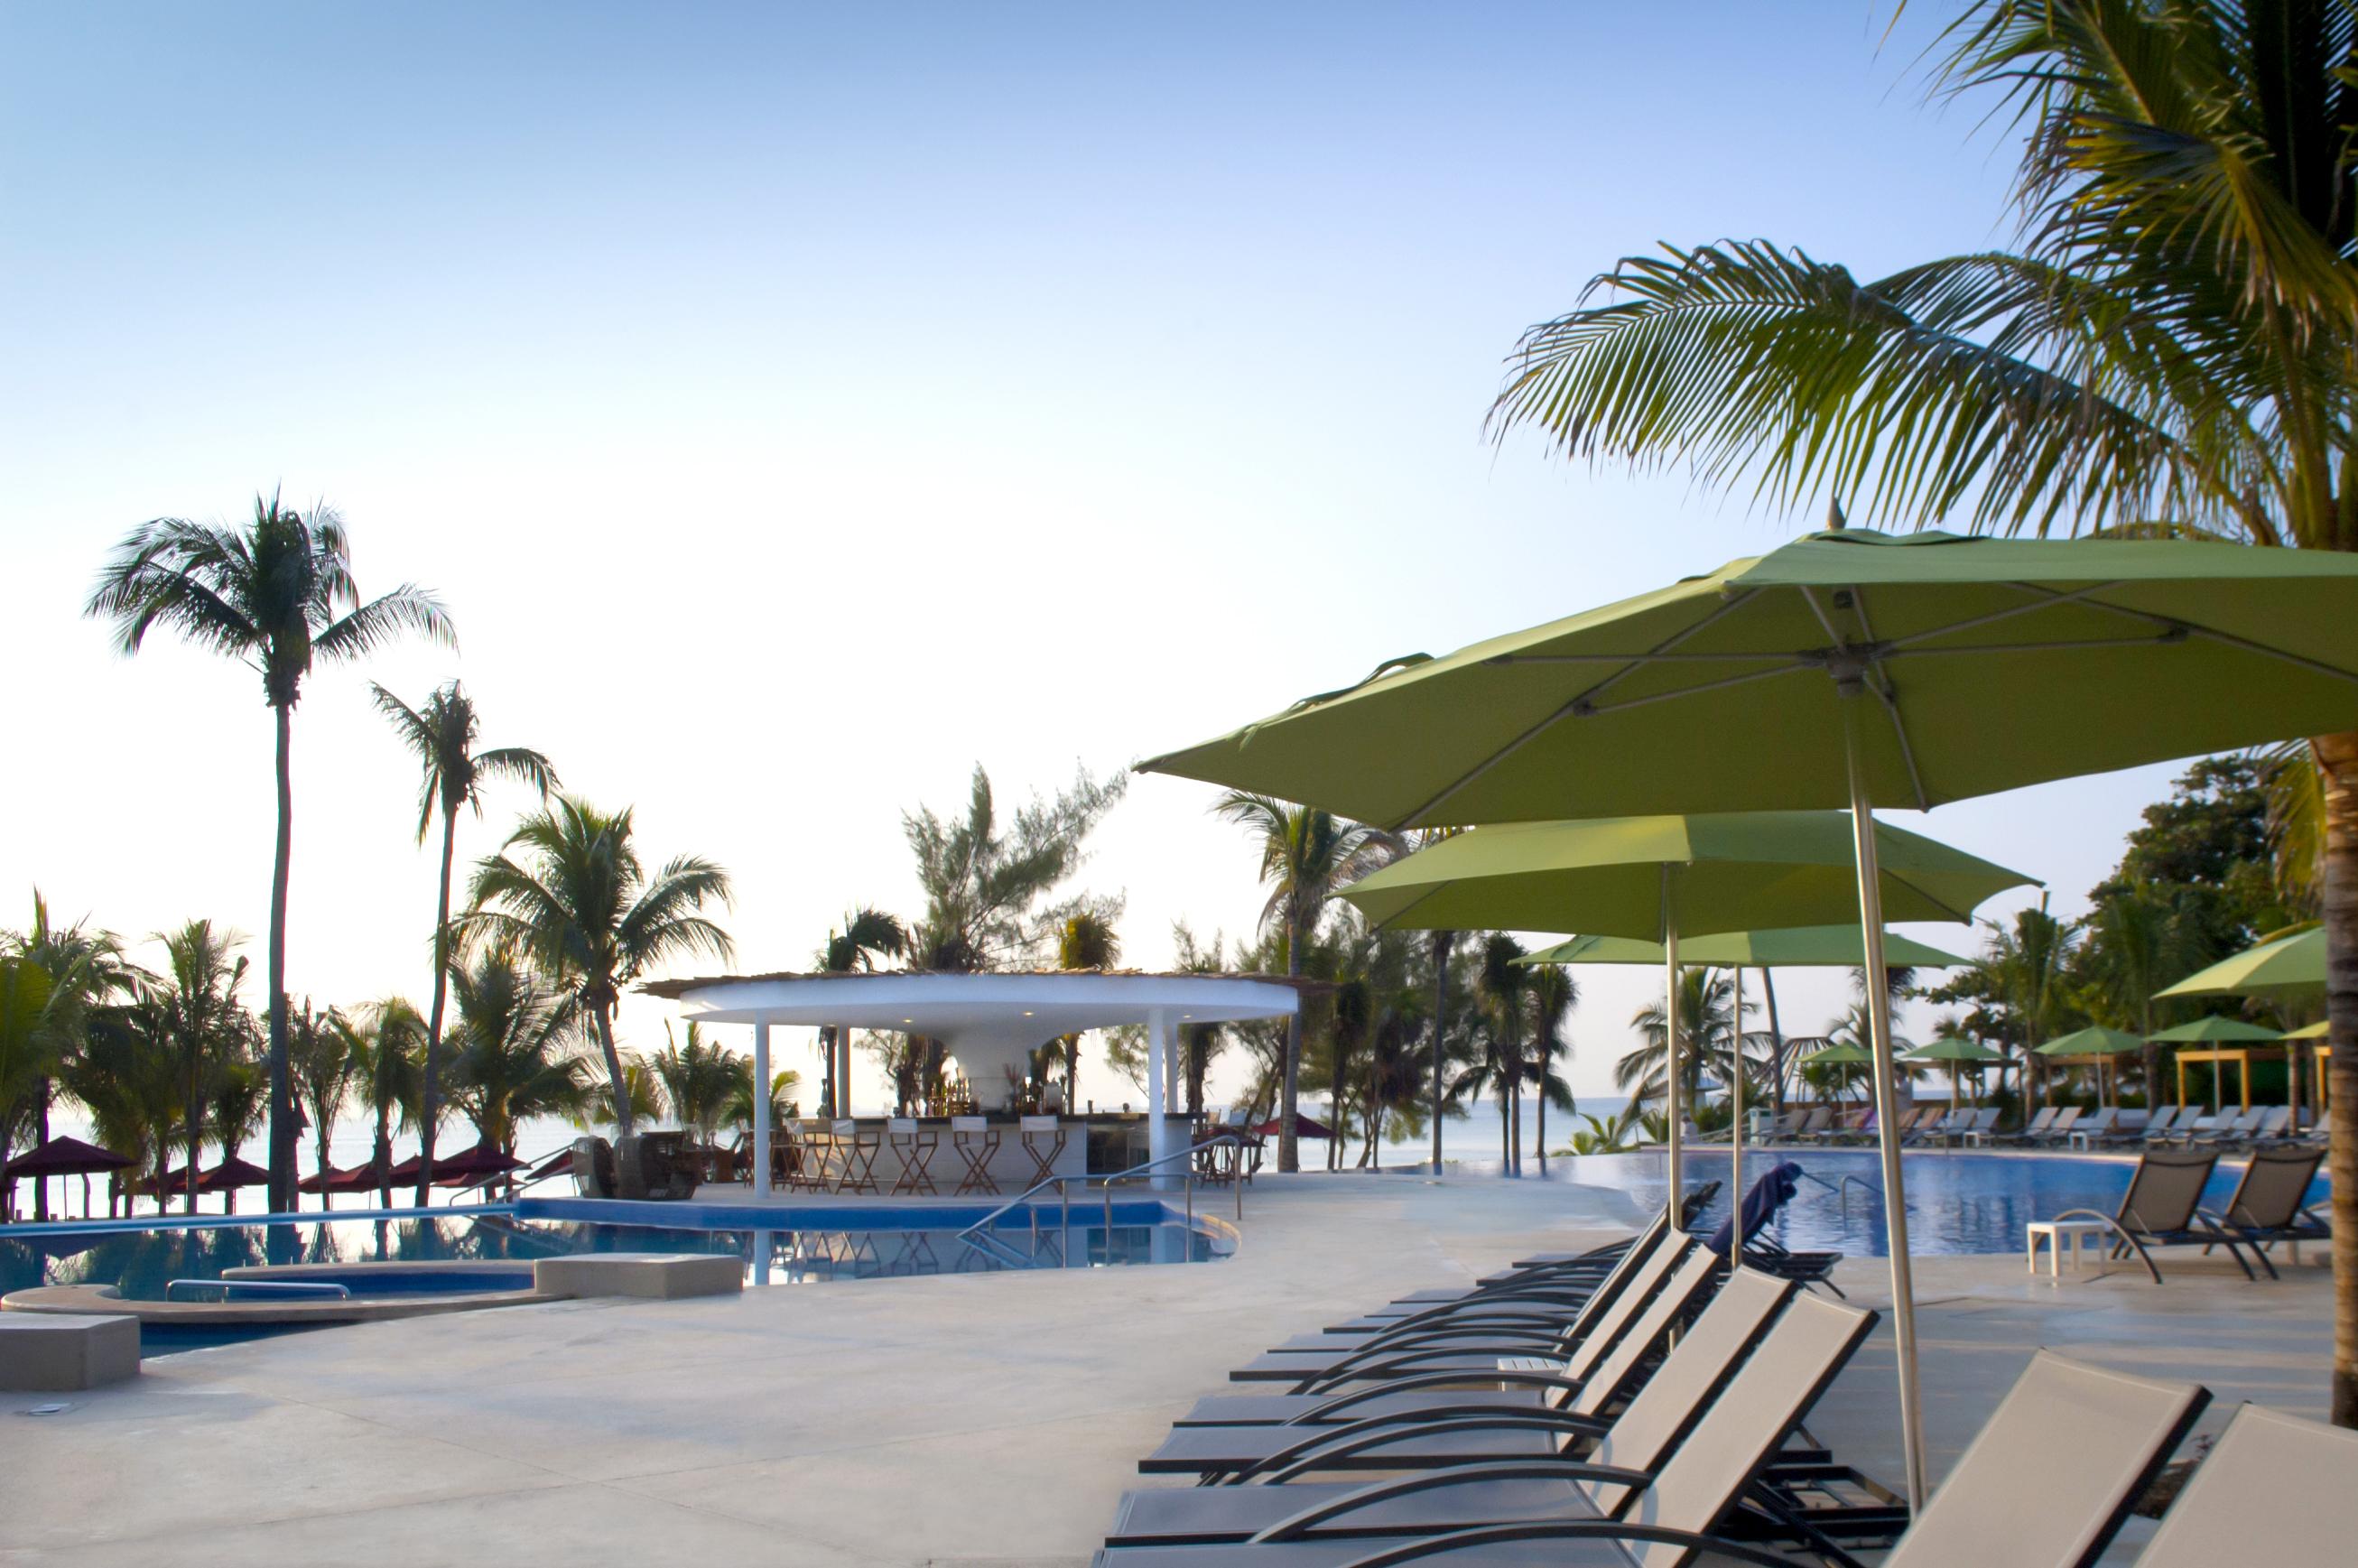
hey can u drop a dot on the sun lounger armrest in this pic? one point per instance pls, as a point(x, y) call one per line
point(1322, 1447)
point(1501, 1329)
point(1351, 1369)
point(1294, 1525)
point(1316, 1413)
point(1569, 1530)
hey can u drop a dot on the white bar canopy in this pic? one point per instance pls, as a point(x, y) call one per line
point(992, 1021)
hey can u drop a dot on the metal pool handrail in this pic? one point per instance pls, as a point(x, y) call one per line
point(1061, 1185)
point(265, 1287)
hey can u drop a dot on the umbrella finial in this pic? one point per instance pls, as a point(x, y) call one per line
point(1834, 521)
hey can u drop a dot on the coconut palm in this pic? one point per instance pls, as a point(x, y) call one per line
point(127, 1077)
point(85, 968)
point(509, 1057)
point(1504, 987)
point(737, 1109)
point(393, 1041)
point(201, 1016)
point(697, 1079)
point(2171, 353)
point(2136, 946)
point(1306, 854)
point(235, 1098)
point(1706, 1039)
point(867, 935)
point(641, 1094)
point(984, 881)
point(569, 892)
point(328, 1058)
point(1553, 994)
point(442, 736)
point(278, 596)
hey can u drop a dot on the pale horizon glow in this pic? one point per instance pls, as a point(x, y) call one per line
point(796, 407)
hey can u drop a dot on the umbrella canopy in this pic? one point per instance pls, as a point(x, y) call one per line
point(1844, 1054)
point(2287, 964)
point(2317, 1031)
point(1303, 1126)
point(1791, 947)
point(558, 1164)
point(1732, 872)
point(227, 1176)
point(1952, 1048)
point(476, 1164)
point(2095, 1041)
point(1720, 693)
point(2216, 1030)
point(64, 1156)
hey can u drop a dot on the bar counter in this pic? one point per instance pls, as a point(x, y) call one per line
point(1094, 1144)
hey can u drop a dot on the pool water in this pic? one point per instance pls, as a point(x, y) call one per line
point(1956, 1201)
point(141, 1261)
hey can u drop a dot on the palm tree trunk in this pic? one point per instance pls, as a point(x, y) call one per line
point(603, 1011)
point(1776, 1046)
point(282, 1103)
point(1289, 1154)
point(196, 1129)
point(2338, 756)
point(41, 1136)
point(434, 1020)
point(1443, 943)
point(383, 1156)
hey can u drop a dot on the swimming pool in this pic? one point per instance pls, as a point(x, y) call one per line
point(1956, 1201)
point(795, 1246)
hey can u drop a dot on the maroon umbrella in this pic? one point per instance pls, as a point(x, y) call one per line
point(360, 1178)
point(1303, 1126)
point(64, 1157)
point(558, 1164)
point(471, 1166)
point(227, 1176)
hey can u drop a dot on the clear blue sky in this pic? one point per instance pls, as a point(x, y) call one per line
point(797, 405)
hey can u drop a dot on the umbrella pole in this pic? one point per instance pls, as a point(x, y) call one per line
point(1887, 1100)
point(1672, 1108)
point(1735, 1138)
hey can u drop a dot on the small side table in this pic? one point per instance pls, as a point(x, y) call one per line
point(2058, 1234)
point(2081, 1139)
point(1977, 1138)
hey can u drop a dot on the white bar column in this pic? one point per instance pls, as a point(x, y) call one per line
point(843, 1069)
point(1158, 1056)
point(761, 1120)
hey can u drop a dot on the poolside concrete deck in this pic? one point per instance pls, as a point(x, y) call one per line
point(971, 1420)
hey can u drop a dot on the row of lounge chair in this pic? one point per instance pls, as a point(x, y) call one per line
point(2050, 1127)
point(2163, 1207)
point(1546, 1416)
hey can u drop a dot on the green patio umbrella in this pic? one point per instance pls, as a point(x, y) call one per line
point(1784, 947)
point(1956, 1050)
point(1844, 1054)
point(1666, 877)
point(2096, 1042)
point(2317, 1031)
point(2287, 964)
point(1845, 669)
point(2218, 1030)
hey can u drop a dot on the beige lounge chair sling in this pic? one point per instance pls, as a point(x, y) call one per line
point(2274, 1489)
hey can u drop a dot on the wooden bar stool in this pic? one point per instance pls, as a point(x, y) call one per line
point(855, 1148)
point(817, 1146)
point(913, 1146)
point(976, 1141)
point(1042, 1133)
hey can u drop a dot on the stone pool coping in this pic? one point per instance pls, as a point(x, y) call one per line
point(658, 1275)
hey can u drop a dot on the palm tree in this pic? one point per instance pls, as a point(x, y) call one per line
point(697, 1079)
point(1198, 1043)
point(199, 1016)
point(83, 968)
point(1306, 854)
point(278, 596)
point(2171, 353)
point(867, 935)
point(580, 904)
point(2138, 945)
point(325, 1055)
point(1504, 985)
point(1087, 941)
point(233, 1106)
point(392, 1042)
point(510, 1062)
point(1706, 1039)
point(737, 1109)
point(641, 1094)
point(442, 736)
point(127, 1077)
point(1553, 993)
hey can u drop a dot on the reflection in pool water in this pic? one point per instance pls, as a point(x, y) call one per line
point(1956, 1201)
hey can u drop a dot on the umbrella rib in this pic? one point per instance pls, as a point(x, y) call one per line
point(1884, 694)
point(2177, 629)
point(1593, 709)
point(1580, 703)
point(2052, 600)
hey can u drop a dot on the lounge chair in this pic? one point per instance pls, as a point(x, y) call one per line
point(2032, 1131)
point(1575, 1271)
point(1761, 1206)
point(1560, 1289)
point(2270, 1204)
point(1706, 1471)
point(2271, 1128)
point(1851, 1128)
point(1314, 1363)
point(2163, 1208)
point(2159, 1127)
point(1814, 1120)
point(1582, 1391)
point(2047, 1484)
point(2093, 1126)
point(2274, 1489)
point(2058, 1130)
point(2228, 1129)
point(1699, 1198)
